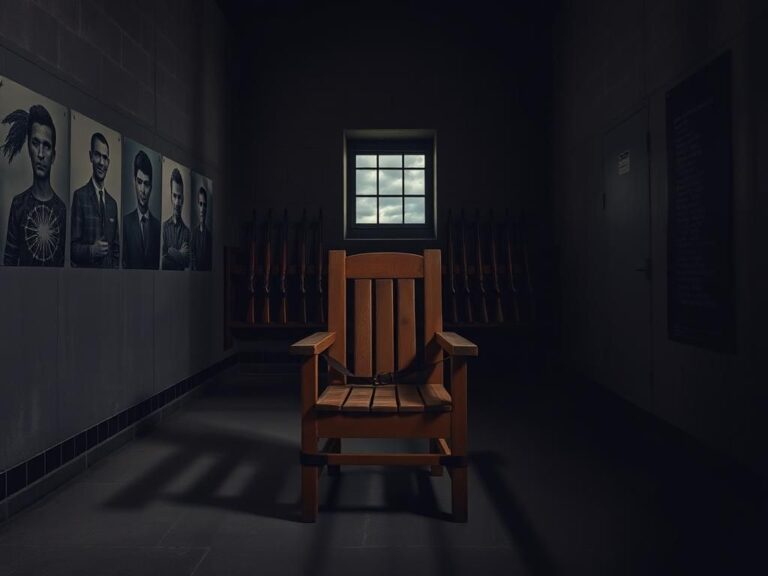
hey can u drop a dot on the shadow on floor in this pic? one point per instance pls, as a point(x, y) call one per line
point(273, 461)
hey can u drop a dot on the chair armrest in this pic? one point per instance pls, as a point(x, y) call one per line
point(455, 345)
point(317, 343)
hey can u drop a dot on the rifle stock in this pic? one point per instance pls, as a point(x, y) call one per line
point(284, 269)
point(495, 270)
point(510, 269)
point(252, 271)
point(480, 279)
point(465, 269)
point(319, 246)
point(267, 265)
point(303, 265)
point(451, 275)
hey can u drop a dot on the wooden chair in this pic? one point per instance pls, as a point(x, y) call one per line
point(428, 410)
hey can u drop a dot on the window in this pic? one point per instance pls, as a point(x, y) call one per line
point(390, 189)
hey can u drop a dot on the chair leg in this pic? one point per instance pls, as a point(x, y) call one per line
point(433, 449)
point(459, 494)
point(309, 497)
point(335, 470)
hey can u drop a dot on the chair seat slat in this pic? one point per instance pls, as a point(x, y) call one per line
point(436, 397)
point(409, 399)
point(359, 400)
point(385, 399)
point(332, 398)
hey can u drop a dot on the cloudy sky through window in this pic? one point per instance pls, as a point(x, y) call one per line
point(380, 182)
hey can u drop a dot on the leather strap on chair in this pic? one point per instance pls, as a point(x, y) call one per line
point(380, 378)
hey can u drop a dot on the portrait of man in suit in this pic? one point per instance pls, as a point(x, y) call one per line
point(176, 236)
point(141, 229)
point(201, 235)
point(94, 231)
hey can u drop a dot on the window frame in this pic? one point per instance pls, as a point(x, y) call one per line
point(390, 142)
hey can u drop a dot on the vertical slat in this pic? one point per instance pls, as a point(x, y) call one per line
point(363, 329)
point(459, 489)
point(385, 320)
point(309, 474)
point(433, 314)
point(406, 322)
point(337, 309)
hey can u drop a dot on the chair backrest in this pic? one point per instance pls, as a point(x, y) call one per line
point(380, 280)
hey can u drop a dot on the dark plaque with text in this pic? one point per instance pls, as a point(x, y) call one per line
point(700, 176)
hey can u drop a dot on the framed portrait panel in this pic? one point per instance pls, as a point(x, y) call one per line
point(34, 177)
point(176, 236)
point(142, 206)
point(95, 183)
point(202, 222)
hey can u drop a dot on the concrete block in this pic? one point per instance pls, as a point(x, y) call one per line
point(119, 88)
point(67, 12)
point(127, 16)
point(98, 29)
point(77, 59)
point(15, 23)
point(167, 54)
point(148, 32)
point(137, 61)
point(174, 124)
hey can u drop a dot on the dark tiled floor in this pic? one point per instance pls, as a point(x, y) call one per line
point(561, 482)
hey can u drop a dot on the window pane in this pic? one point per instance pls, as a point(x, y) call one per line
point(414, 182)
point(391, 161)
point(414, 161)
point(365, 182)
point(390, 211)
point(365, 211)
point(391, 182)
point(365, 161)
point(414, 211)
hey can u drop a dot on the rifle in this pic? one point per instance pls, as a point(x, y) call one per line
point(303, 265)
point(267, 264)
point(480, 279)
point(252, 271)
point(495, 269)
point(451, 275)
point(284, 269)
point(510, 272)
point(319, 248)
point(465, 268)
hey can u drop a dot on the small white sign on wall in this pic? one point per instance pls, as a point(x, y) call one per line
point(624, 162)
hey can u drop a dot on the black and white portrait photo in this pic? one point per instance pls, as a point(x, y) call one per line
point(95, 180)
point(34, 177)
point(178, 197)
point(202, 222)
point(142, 199)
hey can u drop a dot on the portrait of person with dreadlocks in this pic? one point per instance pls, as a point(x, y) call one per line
point(37, 215)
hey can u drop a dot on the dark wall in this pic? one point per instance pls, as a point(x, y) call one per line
point(317, 68)
point(79, 346)
point(613, 58)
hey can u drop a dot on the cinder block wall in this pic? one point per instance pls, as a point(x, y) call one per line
point(611, 59)
point(79, 346)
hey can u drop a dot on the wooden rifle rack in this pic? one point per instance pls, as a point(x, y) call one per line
point(278, 277)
